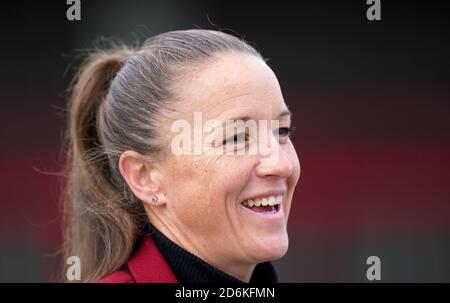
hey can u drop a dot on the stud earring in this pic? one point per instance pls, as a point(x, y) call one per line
point(154, 198)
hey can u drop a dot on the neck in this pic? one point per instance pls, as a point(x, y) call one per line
point(241, 271)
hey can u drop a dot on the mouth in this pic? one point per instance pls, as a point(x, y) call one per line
point(268, 205)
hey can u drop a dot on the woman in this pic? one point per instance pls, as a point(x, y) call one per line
point(138, 209)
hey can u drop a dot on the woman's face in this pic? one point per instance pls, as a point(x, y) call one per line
point(207, 210)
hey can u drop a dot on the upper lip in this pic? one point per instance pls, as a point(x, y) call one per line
point(272, 192)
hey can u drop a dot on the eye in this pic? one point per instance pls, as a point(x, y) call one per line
point(238, 138)
point(285, 132)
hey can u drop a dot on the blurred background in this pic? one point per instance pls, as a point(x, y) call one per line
point(371, 103)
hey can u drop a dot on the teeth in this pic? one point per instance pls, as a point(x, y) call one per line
point(279, 199)
point(272, 200)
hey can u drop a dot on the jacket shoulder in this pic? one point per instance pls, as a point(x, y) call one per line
point(119, 276)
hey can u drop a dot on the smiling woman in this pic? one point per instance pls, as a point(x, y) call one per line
point(138, 212)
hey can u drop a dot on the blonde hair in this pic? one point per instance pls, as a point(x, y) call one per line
point(114, 104)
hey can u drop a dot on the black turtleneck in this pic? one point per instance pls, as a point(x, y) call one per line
point(191, 269)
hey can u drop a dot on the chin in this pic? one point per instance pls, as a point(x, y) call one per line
point(271, 249)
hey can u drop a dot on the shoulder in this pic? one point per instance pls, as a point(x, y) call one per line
point(146, 265)
point(119, 276)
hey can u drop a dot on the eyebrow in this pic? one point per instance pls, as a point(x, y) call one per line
point(284, 113)
point(246, 118)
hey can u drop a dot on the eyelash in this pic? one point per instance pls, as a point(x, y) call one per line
point(282, 132)
point(287, 131)
point(233, 139)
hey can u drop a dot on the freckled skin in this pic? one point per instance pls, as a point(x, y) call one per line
point(203, 192)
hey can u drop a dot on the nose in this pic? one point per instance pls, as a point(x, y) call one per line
point(276, 163)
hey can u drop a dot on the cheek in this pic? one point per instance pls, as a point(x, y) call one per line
point(200, 188)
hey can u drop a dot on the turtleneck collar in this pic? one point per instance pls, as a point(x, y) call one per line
point(188, 268)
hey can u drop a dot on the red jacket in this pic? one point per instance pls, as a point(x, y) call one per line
point(146, 265)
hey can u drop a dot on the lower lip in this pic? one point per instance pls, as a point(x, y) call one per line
point(266, 215)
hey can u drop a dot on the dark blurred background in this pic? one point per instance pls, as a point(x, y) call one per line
point(371, 103)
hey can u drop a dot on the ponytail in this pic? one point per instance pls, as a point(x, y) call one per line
point(98, 229)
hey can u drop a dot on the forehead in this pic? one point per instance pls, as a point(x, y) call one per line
point(232, 83)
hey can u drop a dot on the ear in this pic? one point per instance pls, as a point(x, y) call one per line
point(142, 176)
